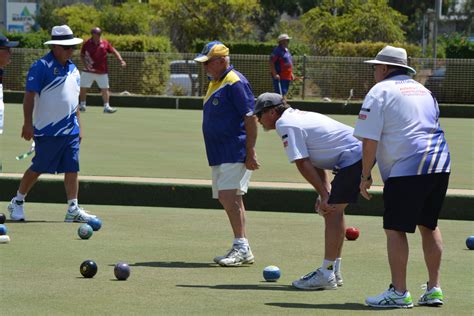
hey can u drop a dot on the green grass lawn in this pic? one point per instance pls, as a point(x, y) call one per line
point(169, 144)
point(170, 252)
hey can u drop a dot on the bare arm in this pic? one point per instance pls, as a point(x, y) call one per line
point(369, 149)
point(27, 131)
point(251, 128)
point(119, 57)
point(273, 71)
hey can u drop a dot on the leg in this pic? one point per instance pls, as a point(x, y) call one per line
point(432, 249)
point(28, 180)
point(397, 248)
point(235, 209)
point(71, 183)
point(83, 94)
point(105, 95)
point(334, 232)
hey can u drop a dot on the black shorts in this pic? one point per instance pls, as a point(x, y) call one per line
point(414, 200)
point(345, 185)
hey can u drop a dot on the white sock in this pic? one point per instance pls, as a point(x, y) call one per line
point(106, 105)
point(19, 196)
point(327, 267)
point(337, 265)
point(241, 243)
point(71, 203)
point(83, 103)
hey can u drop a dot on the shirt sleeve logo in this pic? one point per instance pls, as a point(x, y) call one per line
point(215, 101)
point(362, 116)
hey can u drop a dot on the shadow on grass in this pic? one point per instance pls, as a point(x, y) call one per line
point(9, 221)
point(345, 306)
point(174, 264)
point(258, 287)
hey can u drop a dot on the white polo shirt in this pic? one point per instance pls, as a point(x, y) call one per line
point(327, 143)
point(402, 115)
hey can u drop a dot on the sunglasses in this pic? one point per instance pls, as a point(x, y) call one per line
point(260, 114)
point(69, 47)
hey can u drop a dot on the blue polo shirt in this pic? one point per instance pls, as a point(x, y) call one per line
point(57, 89)
point(227, 101)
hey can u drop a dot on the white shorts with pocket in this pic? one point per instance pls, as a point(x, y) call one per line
point(229, 176)
point(88, 78)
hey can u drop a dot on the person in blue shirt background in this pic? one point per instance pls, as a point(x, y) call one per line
point(51, 117)
point(230, 132)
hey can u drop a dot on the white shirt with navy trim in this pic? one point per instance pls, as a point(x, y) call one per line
point(328, 143)
point(402, 115)
point(57, 91)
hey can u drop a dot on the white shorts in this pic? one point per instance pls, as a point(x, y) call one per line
point(230, 176)
point(88, 78)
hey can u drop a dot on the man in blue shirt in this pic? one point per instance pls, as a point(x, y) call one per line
point(230, 133)
point(51, 117)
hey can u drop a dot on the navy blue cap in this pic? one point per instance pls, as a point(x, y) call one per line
point(4, 42)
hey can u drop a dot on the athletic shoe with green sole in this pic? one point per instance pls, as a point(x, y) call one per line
point(390, 299)
point(433, 297)
point(78, 215)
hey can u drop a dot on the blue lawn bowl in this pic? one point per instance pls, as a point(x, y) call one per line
point(95, 223)
point(271, 273)
point(122, 271)
point(470, 242)
point(85, 231)
point(3, 230)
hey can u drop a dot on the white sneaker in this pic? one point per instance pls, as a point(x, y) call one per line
point(110, 109)
point(219, 258)
point(78, 214)
point(390, 299)
point(315, 280)
point(82, 108)
point(433, 297)
point(237, 257)
point(16, 210)
point(339, 280)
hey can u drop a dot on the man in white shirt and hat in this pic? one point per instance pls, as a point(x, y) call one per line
point(51, 118)
point(316, 143)
point(399, 128)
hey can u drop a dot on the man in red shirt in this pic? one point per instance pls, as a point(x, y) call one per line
point(281, 66)
point(94, 57)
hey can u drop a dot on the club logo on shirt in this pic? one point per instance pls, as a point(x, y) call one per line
point(362, 116)
point(56, 71)
point(285, 143)
point(215, 101)
point(284, 138)
point(31, 78)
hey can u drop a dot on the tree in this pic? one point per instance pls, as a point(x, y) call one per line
point(352, 21)
point(79, 17)
point(223, 20)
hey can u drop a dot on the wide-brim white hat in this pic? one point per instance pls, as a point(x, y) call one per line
point(394, 56)
point(62, 35)
point(283, 37)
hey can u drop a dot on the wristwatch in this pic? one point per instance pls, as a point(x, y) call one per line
point(368, 178)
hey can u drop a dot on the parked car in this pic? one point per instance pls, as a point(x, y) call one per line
point(435, 82)
point(183, 78)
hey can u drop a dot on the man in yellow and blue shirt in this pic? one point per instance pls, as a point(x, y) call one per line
point(230, 132)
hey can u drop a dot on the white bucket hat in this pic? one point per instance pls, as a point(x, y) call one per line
point(282, 37)
point(62, 35)
point(394, 56)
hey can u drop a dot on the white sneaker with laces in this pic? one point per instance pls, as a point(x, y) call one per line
point(390, 299)
point(110, 109)
point(219, 258)
point(16, 210)
point(82, 108)
point(78, 215)
point(315, 280)
point(433, 297)
point(237, 257)
point(339, 280)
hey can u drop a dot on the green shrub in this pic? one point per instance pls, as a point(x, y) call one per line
point(458, 46)
point(369, 49)
point(255, 48)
